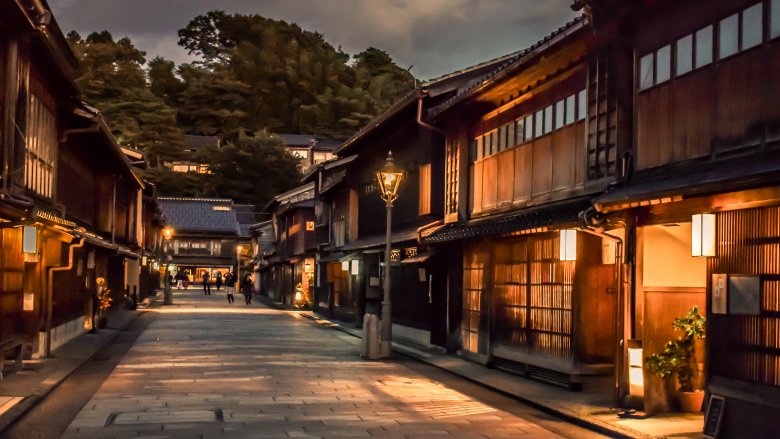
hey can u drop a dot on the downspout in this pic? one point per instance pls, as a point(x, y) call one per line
point(11, 93)
point(420, 96)
point(585, 225)
point(113, 210)
point(50, 291)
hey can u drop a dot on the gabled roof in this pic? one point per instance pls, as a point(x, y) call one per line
point(295, 195)
point(245, 215)
point(509, 64)
point(308, 140)
point(200, 215)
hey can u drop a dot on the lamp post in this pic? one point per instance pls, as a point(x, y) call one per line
point(239, 249)
point(167, 294)
point(389, 180)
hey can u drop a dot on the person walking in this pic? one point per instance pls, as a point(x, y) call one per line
point(218, 279)
point(179, 278)
point(206, 283)
point(246, 288)
point(229, 287)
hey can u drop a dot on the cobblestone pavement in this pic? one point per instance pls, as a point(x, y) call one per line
point(206, 369)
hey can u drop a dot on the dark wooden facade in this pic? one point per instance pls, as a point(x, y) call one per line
point(64, 175)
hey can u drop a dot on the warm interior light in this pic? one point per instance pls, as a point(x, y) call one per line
point(344, 265)
point(239, 248)
point(703, 234)
point(568, 245)
point(298, 296)
point(144, 261)
point(29, 239)
point(636, 379)
point(355, 266)
point(168, 232)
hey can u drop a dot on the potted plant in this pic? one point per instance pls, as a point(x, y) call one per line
point(104, 302)
point(679, 357)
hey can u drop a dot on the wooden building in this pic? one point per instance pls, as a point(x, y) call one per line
point(288, 274)
point(206, 235)
point(526, 149)
point(70, 204)
point(704, 179)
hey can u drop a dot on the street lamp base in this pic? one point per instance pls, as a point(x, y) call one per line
point(385, 349)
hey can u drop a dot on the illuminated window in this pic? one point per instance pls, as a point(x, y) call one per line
point(684, 55)
point(728, 36)
point(309, 225)
point(40, 148)
point(703, 46)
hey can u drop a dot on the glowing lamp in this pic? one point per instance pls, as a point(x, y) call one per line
point(168, 232)
point(636, 379)
point(703, 234)
point(144, 261)
point(29, 239)
point(355, 265)
point(568, 245)
point(344, 265)
point(298, 296)
point(389, 179)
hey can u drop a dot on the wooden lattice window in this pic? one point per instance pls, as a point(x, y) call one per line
point(424, 207)
point(40, 148)
point(474, 264)
point(452, 168)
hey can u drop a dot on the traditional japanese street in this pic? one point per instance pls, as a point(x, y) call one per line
point(204, 368)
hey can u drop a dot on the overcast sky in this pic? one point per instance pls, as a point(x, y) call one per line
point(435, 36)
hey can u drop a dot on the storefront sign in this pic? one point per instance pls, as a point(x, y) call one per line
point(714, 417)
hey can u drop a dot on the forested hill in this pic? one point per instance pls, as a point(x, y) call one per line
point(255, 74)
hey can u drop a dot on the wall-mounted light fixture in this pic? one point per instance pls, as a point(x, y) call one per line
point(156, 265)
point(355, 265)
point(30, 243)
point(703, 234)
point(636, 379)
point(568, 245)
point(344, 265)
point(144, 261)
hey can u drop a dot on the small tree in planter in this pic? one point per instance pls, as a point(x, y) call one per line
point(679, 357)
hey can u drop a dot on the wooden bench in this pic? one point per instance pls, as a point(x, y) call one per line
point(14, 346)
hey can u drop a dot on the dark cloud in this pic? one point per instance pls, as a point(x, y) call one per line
point(436, 36)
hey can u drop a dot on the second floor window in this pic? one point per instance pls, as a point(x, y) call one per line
point(40, 148)
point(425, 189)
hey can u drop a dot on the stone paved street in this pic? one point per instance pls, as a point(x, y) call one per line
point(206, 369)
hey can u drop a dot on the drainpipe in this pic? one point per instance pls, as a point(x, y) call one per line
point(585, 224)
point(420, 230)
point(113, 210)
point(50, 291)
point(420, 96)
point(9, 105)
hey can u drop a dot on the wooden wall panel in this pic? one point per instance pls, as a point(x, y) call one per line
point(579, 153)
point(693, 113)
point(523, 172)
point(542, 166)
point(563, 142)
point(772, 61)
point(740, 92)
point(506, 176)
point(489, 182)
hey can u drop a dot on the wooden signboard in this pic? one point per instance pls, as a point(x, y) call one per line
point(714, 417)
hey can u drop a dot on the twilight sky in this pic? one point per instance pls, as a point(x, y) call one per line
point(435, 36)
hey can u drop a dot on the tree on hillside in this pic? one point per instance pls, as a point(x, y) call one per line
point(297, 81)
point(112, 79)
point(163, 81)
point(252, 170)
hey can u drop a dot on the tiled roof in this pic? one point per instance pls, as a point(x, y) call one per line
point(200, 215)
point(528, 219)
point(508, 62)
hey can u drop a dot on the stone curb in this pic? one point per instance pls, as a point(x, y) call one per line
point(29, 402)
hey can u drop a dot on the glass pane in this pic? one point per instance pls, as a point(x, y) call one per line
point(529, 128)
point(493, 142)
point(582, 101)
point(752, 26)
point(774, 19)
point(646, 71)
point(684, 57)
point(510, 135)
point(703, 46)
point(663, 59)
point(570, 109)
point(520, 131)
point(501, 138)
point(728, 38)
point(480, 148)
point(548, 119)
point(559, 113)
point(486, 145)
point(539, 123)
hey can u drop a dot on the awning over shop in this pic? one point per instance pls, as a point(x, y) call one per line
point(380, 240)
point(735, 176)
point(540, 217)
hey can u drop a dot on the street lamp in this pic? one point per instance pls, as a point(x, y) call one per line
point(239, 250)
point(167, 294)
point(389, 180)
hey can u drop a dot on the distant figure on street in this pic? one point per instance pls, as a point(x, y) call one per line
point(206, 283)
point(229, 287)
point(180, 278)
point(218, 279)
point(246, 288)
